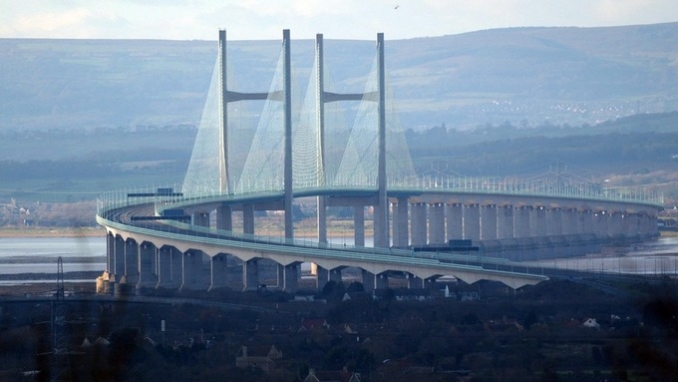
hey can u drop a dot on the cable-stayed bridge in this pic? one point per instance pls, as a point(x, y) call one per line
point(272, 150)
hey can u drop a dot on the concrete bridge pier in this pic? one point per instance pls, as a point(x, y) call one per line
point(381, 281)
point(648, 226)
point(488, 222)
point(436, 223)
point(218, 271)
point(321, 277)
point(131, 262)
point(119, 257)
point(164, 267)
point(600, 224)
point(201, 219)
point(176, 262)
point(455, 221)
point(522, 222)
point(569, 224)
point(401, 235)
point(505, 222)
point(368, 281)
point(359, 225)
point(321, 218)
point(191, 268)
point(585, 222)
point(147, 272)
point(224, 218)
point(248, 219)
point(472, 221)
point(419, 231)
point(110, 253)
point(631, 226)
point(554, 218)
point(291, 277)
point(538, 222)
point(615, 227)
point(250, 275)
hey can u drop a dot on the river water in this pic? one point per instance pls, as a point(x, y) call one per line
point(39, 255)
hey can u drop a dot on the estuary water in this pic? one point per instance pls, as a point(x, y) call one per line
point(40, 254)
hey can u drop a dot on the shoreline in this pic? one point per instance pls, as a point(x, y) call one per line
point(39, 276)
point(12, 232)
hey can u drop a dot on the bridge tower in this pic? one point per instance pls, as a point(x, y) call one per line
point(381, 228)
point(227, 96)
point(381, 238)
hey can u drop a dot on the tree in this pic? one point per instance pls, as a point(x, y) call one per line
point(530, 320)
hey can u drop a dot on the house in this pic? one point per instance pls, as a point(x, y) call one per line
point(313, 324)
point(402, 294)
point(591, 323)
point(332, 376)
point(261, 357)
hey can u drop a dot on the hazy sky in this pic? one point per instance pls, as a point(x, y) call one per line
point(336, 19)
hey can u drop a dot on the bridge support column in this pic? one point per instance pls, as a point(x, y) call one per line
point(250, 275)
point(631, 226)
point(146, 256)
point(359, 225)
point(321, 277)
point(600, 224)
point(472, 222)
point(401, 235)
point(381, 221)
point(436, 223)
point(488, 222)
point(455, 221)
point(381, 281)
point(191, 266)
point(218, 271)
point(554, 219)
point(414, 282)
point(522, 222)
point(368, 281)
point(110, 253)
point(291, 277)
point(585, 222)
point(131, 262)
point(177, 267)
point(615, 229)
point(322, 219)
point(164, 267)
point(538, 222)
point(119, 258)
point(224, 218)
point(248, 219)
point(419, 224)
point(648, 225)
point(505, 222)
point(569, 226)
point(201, 219)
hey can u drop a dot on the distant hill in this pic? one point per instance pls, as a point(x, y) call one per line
point(525, 76)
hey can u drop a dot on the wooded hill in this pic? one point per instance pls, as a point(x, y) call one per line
point(523, 76)
point(641, 149)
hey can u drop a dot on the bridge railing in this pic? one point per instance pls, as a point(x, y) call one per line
point(114, 201)
point(447, 183)
point(534, 187)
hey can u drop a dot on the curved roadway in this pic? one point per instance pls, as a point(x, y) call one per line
point(185, 237)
